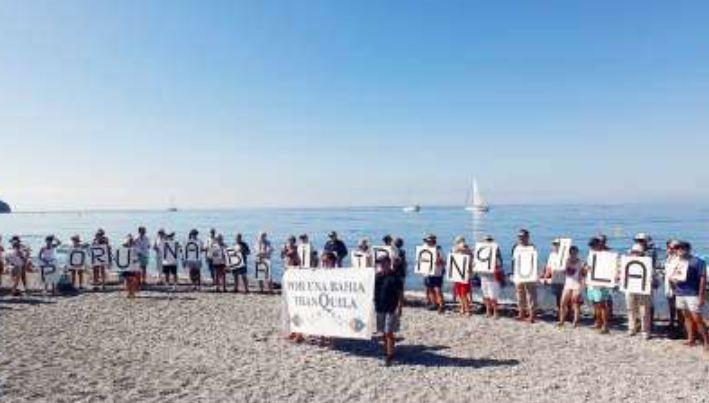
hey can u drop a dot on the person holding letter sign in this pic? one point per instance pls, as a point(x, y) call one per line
point(487, 263)
point(526, 290)
point(76, 261)
point(691, 294)
point(637, 272)
point(554, 272)
point(217, 255)
point(48, 265)
point(192, 258)
point(132, 273)
point(304, 244)
point(598, 295)
point(142, 248)
point(18, 261)
point(170, 251)
point(240, 272)
point(434, 282)
point(264, 250)
point(459, 268)
point(289, 253)
point(362, 256)
point(100, 258)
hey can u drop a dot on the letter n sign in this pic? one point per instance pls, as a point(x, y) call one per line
point(425, 261)
point(458, 267)
point(636, 274)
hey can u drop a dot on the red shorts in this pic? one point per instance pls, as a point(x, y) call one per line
point(461, 289)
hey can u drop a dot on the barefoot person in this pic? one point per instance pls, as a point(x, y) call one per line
point(526, 292)
point(264, 251)
point(691, 294)
point(434, 283)
point(18, 262)
point(142, 248)
point(169, 250)
point(462, 288)
point(574, 274)
point(491, 284)
point(387, 291)
point(240, 273)
point(639, 304)
point(48, 265)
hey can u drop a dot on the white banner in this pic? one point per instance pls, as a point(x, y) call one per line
point(360, 259)
point(458, 267)
point(99, 255)
point(563, 254)
point(331, 303)
point(525, 266)
point(426, 261)
point(603, 267)
point(485, 257)
point(636, 274)
point(263, 269)
point(305, 252)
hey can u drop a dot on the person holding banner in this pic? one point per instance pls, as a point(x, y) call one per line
point(264, 251)
point(48, 264)
point(142, 248)
point(462, 289)
point(691, 294)
point(336, 246)
point(192, 258)
point(18, 261)
point(99, 267)
point(434, 283)
point(240, 272)
point(289, 253)
point(574, 274)
point(387, 305)
point(217, 255)
point(526, 291)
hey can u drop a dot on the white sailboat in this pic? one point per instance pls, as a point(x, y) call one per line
point(414, 208)
point(478, 205)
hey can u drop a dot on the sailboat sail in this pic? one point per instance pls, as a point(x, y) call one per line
point(478, 203)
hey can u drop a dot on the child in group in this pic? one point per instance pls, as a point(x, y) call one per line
point(491, 284)
point(575, 272)
point(462, 289)
point(387, 291)
point(48, 264)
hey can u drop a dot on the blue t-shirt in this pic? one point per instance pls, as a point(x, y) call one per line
point(696, 269)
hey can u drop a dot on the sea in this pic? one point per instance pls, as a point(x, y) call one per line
point(545, 222)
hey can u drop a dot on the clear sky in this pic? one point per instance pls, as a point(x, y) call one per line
point(127, 104)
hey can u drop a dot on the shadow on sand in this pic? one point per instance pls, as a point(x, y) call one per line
point(26, 301)
point(417, 354)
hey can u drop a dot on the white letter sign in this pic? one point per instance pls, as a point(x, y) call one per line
point(485, 257)
point(330, 303)
point(360, 259)
point(636, 274)
point(603, 267)
point(458, 267)
point(305, 252)
point(76, 259)
point(563, 254)
point(426, 261)
point(234, 259)
point(525, 265)
point(99, 255)
point(263, 269)
point(193, 251)
point(123, 258)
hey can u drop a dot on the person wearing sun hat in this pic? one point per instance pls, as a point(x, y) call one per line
point(691, 294)
point(434, 283)
point(526, 292)
point(491, 283)
point(462, 289)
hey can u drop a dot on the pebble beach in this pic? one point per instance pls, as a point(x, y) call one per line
point(202, 346)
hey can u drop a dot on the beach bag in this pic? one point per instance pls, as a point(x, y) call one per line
point(64, 285)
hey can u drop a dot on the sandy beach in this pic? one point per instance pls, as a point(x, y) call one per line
point(205, 346)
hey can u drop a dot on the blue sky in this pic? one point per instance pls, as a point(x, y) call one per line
point(127, 104)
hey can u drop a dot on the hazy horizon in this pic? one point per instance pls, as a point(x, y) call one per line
point(130, 105)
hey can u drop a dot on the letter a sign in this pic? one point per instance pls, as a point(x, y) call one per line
point(636, 274)
point(425, 261)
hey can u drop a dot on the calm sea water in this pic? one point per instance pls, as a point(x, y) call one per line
point(619, 222)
